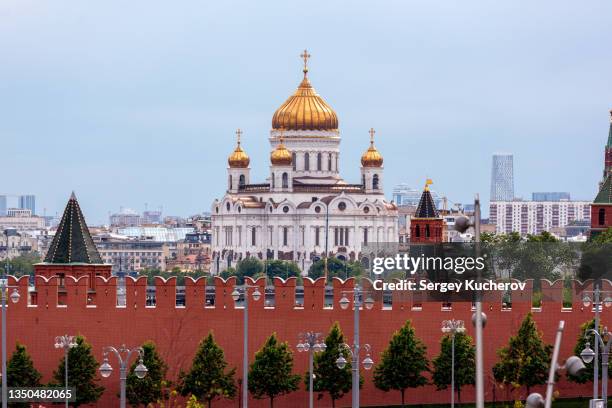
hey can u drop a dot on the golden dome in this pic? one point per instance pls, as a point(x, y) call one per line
point(305, 109)
point(238, 158)
point(281, 156)
point(371, 157)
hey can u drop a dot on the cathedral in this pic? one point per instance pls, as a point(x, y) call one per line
point(304, 209)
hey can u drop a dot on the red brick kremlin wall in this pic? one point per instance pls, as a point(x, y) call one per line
point(36, 320)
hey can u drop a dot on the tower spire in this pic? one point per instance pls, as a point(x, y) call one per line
point(238, 135)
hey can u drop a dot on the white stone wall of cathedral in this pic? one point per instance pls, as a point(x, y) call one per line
point(232, 229)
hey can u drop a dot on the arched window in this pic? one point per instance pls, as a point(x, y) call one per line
point(319, 162)
point(285, 235)
point(427, 231)
point(306, 161)
point(285, 180)
point(253, 236)
point(272, 180)
point(363, 180)
point(417, 231)
point(241, 181)
point(293, 160)
point(329, 161)
point(602, 216)
point(375, 182)
point(229, 182)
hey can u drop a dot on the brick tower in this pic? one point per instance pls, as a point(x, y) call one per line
point(72, 251)
point(427, 226)
point(601, 209)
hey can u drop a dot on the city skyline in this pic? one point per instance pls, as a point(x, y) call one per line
point(158, 109)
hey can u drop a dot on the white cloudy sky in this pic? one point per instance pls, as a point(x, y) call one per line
point(134, 102)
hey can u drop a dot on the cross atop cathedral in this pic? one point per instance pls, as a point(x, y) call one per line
point(372, 132)
point(305, 56)
point(238, 134)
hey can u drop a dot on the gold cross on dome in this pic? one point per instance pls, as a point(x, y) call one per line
point(305, 56)
point(372, 132)
point(238, 134)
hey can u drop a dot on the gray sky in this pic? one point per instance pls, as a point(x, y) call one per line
point(134, 102)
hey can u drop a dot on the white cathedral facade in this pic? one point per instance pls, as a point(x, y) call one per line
point(304, 209)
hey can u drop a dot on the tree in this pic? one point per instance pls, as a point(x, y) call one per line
point(149, 389)
point(82, 370)
point(250, 266)
point(328, 377)
point(20, 371)
point(465, 363)
point(208, 378)
point(604, 237)
point(270, 374)
point(587, 375)
point(525, 361)
point(402, 362)
point(336, 267)
point(282, 269)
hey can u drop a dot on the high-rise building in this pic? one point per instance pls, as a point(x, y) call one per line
point(126, 217)
point(502, 177)
point(550, 196)
point(28, 202)
point(2, 205)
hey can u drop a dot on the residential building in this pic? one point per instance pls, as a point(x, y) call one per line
point(534, 217)
point(502, 177)
point(152, 217)
point(21, 220)
point(14, 244)
point(126, 217)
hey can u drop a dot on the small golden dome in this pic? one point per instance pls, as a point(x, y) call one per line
point(238, 158)
point(371, 157)
point(281, 156)
point(305, 109)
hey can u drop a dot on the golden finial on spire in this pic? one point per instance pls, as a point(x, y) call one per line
point(305, 56)
point(428, 182)
point(238, 134)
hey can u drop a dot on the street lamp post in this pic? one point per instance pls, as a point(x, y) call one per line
point(453, 327)
point(586, 301)
point(588, 355)
point(14, 296)
point(462, 224)
point(245, 357)
point(65, 342)
point(357, 293)
point(311, 342)
point(106, 369)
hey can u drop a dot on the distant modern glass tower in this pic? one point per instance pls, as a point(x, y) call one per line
point(502, 178)
point(28, 202)
point(2, 205)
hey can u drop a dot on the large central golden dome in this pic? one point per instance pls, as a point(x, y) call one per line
point(305, 109)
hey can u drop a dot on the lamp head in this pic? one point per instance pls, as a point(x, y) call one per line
point(462, 224)
point(341, 362)
point(256, 294)
point(105, 369)
point(235, 295)
point(587, 354)
point(368, 363)
point(140, 370)
point(534, 400)
point(574, 366)
point(15, 296)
